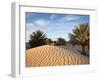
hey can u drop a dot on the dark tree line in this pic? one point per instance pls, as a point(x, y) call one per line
point(38, 38)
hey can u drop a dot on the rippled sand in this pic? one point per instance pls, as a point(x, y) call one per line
point(49, 55)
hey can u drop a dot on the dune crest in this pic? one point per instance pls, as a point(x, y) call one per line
point(49, 55)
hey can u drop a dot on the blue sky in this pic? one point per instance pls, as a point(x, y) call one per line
point(53, 25)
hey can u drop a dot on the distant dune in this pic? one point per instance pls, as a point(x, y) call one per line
point(49, 55)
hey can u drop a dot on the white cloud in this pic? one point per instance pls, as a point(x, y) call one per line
point(52, 16)
point(41, 22)
point(29, 26)
point(71, 18)
point(28, 35)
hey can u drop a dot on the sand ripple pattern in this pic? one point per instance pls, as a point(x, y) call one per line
point(49, 55)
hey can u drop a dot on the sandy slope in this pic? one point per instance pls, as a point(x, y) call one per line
point(48, 55)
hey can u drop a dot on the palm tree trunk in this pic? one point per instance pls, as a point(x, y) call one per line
point(88, 47)
point(73, 45)
point(83, 50)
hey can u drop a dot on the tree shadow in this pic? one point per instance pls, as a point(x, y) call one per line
point(82, 53)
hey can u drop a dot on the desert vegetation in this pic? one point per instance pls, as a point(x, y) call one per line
point(37, 38)
point(61, 41)
point(80, 36)
point(49, 41)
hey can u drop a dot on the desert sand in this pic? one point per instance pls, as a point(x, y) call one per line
point(49, 55)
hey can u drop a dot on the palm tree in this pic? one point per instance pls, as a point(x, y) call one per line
point(80, 36)
point(61, 41)
point(37, 38)
point(48, 41)
point(72, 40)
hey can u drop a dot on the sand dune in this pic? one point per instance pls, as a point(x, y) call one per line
point(49, 55)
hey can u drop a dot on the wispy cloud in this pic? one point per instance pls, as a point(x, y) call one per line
point(71, 18)
point(41, 22)
point(29, 26)
point(52, 16)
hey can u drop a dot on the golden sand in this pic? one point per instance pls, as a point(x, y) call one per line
point(49, 55)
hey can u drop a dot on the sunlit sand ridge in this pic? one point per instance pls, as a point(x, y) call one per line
point(49, 55)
